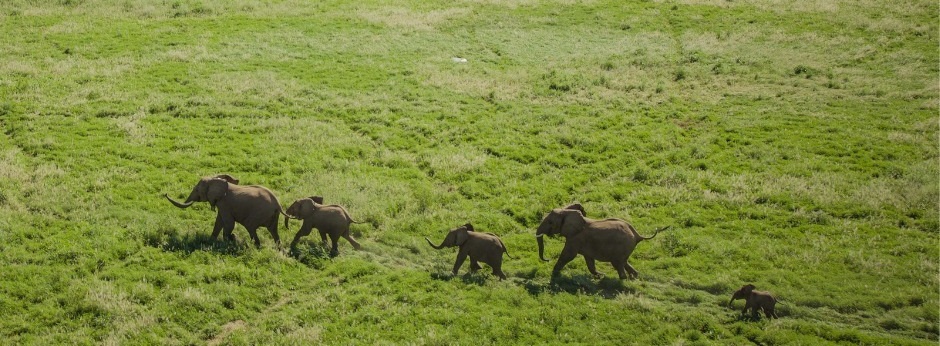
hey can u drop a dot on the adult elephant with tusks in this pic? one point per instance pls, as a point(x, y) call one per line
point(608, 240)
point(251, 206)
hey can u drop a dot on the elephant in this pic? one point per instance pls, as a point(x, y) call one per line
point(251, 206)
point(481, 247)
point(608, 240)
point(332, 220)
point(756, 301)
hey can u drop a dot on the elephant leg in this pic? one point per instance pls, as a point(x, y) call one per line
point(753, 307)
point(461, 256)
point(497, 265)
point(253, 232)
point(217, 228)
point(227, 227)
point(499, 273)
point(334, 250)
point(474, 265)
point(273, 230)
point(351, 240)
point(624, 269)
point(304, 231)
point(567, 255)
point(323, 237)
point(590, 264)
point(620, 267)
point(632, 271)
point(768, 312)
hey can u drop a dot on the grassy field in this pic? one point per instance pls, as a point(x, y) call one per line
point(790, 144)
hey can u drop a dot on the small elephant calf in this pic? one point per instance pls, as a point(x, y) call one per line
point(332, 220)
point(755, 300)
point(481, 247)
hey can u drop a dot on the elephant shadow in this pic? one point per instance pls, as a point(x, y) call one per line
point(313, 256)
point(479, 278)
point(171, 239)
point(748, 317)
point(607, 287)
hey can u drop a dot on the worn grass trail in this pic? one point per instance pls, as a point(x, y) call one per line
point(790, 145)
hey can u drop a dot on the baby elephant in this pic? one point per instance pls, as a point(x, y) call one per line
point(481, 247)
point(332, 220)
point(755, 300)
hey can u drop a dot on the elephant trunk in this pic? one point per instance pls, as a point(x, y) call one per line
point(539, 239)
point(731, 301)
point(185, 205)
point(438, 247)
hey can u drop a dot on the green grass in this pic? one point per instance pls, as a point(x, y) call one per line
point(793, 145)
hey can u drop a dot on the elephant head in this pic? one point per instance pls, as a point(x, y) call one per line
point(742, 293)
point(566, 222)
point(304, 207)
point(208, 189)
point(455, 237)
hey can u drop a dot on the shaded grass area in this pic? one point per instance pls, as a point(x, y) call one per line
point(793, 146)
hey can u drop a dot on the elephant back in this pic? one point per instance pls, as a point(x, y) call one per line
point(330, 216)
point(252, 199)
point(486, 237)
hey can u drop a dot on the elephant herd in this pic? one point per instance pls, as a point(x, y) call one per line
point(608, 240)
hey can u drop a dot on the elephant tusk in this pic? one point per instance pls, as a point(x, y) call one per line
point(540, 235)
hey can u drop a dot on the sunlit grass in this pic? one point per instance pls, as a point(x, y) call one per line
point(792, 145)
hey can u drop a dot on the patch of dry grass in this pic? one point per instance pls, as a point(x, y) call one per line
point(407, 18)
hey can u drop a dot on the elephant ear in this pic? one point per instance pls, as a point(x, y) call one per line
point(469, 227)
point(318, 199)
point(572, 222)
point(307, 208)
point(462, 236)
point(230, 179)
point(218, 188)
point(578, 207)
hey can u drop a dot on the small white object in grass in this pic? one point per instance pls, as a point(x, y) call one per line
point(460, 60)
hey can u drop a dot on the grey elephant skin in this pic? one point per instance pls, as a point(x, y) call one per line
point(480, 247)
point(251, 206)
point(755, 301)
point(332, 220)
point(608, 240)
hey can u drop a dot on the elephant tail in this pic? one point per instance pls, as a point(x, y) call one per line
point(506, 250)
point(345, 212)
point(286, 218)
point(650, 237)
